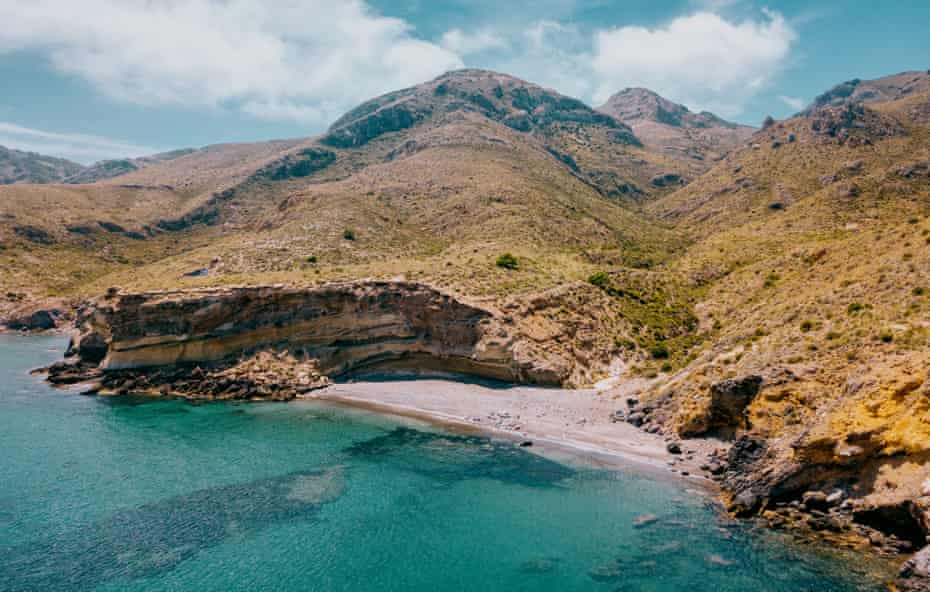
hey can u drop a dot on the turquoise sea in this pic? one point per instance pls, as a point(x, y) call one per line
point(127, 495)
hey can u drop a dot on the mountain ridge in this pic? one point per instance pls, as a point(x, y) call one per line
point(17, 166)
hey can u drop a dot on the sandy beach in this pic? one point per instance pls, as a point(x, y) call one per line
point(579, 419)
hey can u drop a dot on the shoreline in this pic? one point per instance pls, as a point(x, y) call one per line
point(573, 421)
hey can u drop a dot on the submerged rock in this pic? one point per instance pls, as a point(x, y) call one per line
point(645, 520)
point(156, 537)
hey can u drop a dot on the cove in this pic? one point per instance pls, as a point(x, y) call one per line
point(127, 494)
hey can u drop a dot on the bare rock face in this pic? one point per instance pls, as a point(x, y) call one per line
point(724, 408)
point(339, 328)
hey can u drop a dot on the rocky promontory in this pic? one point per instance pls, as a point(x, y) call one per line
point(276, 342)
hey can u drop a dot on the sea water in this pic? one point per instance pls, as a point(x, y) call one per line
point(122, 494)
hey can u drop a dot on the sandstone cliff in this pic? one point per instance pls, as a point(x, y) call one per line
point(155, 341)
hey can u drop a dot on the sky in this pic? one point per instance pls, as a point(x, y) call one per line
point(96, 79)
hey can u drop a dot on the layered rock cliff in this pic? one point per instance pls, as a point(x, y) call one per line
point(216, 342)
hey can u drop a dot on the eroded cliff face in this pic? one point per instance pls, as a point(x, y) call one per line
point(155, 339)
point(848, 460)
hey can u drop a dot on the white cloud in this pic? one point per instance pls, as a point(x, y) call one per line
point(81, 148)
point(310, 60)
point(793, 102)
point(480, 41)
point(303, 60)
point(702, 60)
point(551, 54)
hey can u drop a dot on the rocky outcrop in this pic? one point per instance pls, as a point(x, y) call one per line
point(340, 328)
point(857, 91)
point(300, 164)
point(39, 320)
point(853, 125)
point(724, 407)
point(915, 573)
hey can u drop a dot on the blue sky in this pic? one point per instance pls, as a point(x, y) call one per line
point(93, 79)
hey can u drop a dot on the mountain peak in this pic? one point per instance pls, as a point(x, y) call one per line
point(638, 104)
point(518, 104)
point(673, 128)
point(880, 90)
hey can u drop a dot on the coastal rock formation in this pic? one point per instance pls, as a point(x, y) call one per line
point(151, 340)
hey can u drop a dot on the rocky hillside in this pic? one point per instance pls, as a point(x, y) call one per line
point(810, 250)
point(28, 167)
point(436, 181)
point(672, 129)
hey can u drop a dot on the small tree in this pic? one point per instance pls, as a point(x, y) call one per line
point(348, 234)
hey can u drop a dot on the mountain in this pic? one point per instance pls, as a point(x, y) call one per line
point(108, 169)
point(29, 167)
point(673, 129)
point(17, 167)
point(889, 88)
point(472, 162)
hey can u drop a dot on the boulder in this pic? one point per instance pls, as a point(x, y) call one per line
point(40, 320)
point(915, 573)
point(744, 503)
point(637, 419)
point(815, 500)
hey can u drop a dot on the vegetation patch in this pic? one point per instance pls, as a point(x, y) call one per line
point(659, 310)
point(508, 261)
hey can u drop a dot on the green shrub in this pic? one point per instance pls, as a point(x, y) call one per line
point(626, 344)
point(886, 336)
point(771, 279)
point(667, 367)
point(807, 325)
point(312, 259)
point(507, 261)
point(599, 279)
point(659, 351)
point(854, 307)
point(348, 234)
point(918, 291)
